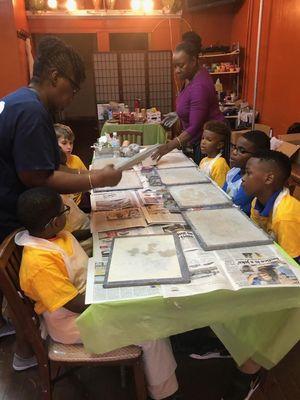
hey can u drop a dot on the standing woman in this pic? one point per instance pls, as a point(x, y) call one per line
point(197, 102)
point(29, 153)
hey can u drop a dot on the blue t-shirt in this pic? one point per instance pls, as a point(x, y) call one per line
point(27, 143)
point(233, 187)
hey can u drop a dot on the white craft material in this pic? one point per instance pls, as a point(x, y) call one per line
point(204, 195)
point(225, 228)
point(181, 176)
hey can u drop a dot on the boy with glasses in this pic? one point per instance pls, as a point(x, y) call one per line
point(53, 275)
point(248, 144)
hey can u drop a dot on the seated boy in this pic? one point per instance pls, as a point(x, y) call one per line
point(215, 143)
point(53, 275)
point(247, 144)
point(65, 138)
point(273, 208)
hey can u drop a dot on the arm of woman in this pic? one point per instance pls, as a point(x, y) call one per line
point(199, 105)
point(65, 182)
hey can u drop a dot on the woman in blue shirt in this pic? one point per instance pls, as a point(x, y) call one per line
point(29, 154)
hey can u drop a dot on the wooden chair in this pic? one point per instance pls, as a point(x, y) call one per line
point(131, 136)
point(53, 356)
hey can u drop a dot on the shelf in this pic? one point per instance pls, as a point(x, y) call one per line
point(92, 14)
point(233, 53)
point(224, 73)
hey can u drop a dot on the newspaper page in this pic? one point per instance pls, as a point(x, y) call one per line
point(206, 275)
point(259, 266)
point(204, 266)
point(113, 200)
point(149, 177)
point(102, 221)
point(160, 195)
point(158, 214)
point(95, 293)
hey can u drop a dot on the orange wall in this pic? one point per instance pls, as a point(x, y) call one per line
point(213, 24)
point(13, 72)
point(164, 33)
point(279, 80)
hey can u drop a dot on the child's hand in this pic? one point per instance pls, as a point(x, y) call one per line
point(109, 176)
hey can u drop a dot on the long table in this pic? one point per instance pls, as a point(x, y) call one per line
point(259, 323)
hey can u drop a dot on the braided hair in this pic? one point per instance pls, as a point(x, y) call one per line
point(191, 44)
point(54, 53)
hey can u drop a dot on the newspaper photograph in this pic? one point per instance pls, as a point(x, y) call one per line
point(247, 272)
point(102, 221)
point(114, 200)
point(158, 214)
point(158, 196)
point(185, 234)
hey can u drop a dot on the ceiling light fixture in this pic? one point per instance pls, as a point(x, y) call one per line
point(52, 4)
point(136, 5)
point(148, 5)
point(71, 5)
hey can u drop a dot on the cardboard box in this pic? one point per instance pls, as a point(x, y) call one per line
point(293, 138)
point(291, 146)
point(288, 149)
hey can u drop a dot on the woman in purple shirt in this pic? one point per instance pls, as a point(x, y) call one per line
point(196, 102)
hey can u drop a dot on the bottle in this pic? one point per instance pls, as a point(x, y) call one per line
point(115, 142)
point(219, 88)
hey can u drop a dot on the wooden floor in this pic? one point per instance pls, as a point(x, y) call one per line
point(199, 380)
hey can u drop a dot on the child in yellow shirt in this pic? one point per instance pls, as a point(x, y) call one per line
point(53, 275)
point(65, 138)
point(273, 208)
point(215, 143)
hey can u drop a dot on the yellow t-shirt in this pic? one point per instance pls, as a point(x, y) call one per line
point(284, 226)
point(75, 162)
point(44, 277)
point(218, 171)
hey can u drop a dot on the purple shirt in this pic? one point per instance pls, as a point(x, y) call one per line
point(196, 104)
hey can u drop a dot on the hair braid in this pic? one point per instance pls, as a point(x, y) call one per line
point(54, 53)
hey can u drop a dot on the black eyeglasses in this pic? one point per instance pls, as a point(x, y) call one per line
point(74, 85)
point(66, 210)
point(239, 149)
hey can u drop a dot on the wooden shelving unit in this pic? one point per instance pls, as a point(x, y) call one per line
point(234, 56)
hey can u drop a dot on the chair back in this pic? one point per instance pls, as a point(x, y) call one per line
point(21, 307)
point(131, 136)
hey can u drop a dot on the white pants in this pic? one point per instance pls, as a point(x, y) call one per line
point(158, 358)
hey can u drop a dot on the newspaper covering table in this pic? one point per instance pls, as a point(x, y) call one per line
point(239, 292)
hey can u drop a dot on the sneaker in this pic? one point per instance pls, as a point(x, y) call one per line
point(206, 355)
point(243, 386)
point(7, 330)
point(21, 364)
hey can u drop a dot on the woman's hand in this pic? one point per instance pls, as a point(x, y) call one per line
point(161, 151)
point(108, 176)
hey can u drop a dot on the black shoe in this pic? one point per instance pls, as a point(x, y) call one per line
point(243, 386)
point(212, 353)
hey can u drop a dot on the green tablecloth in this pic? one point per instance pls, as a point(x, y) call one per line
point(259, 323)
point(152, 133)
